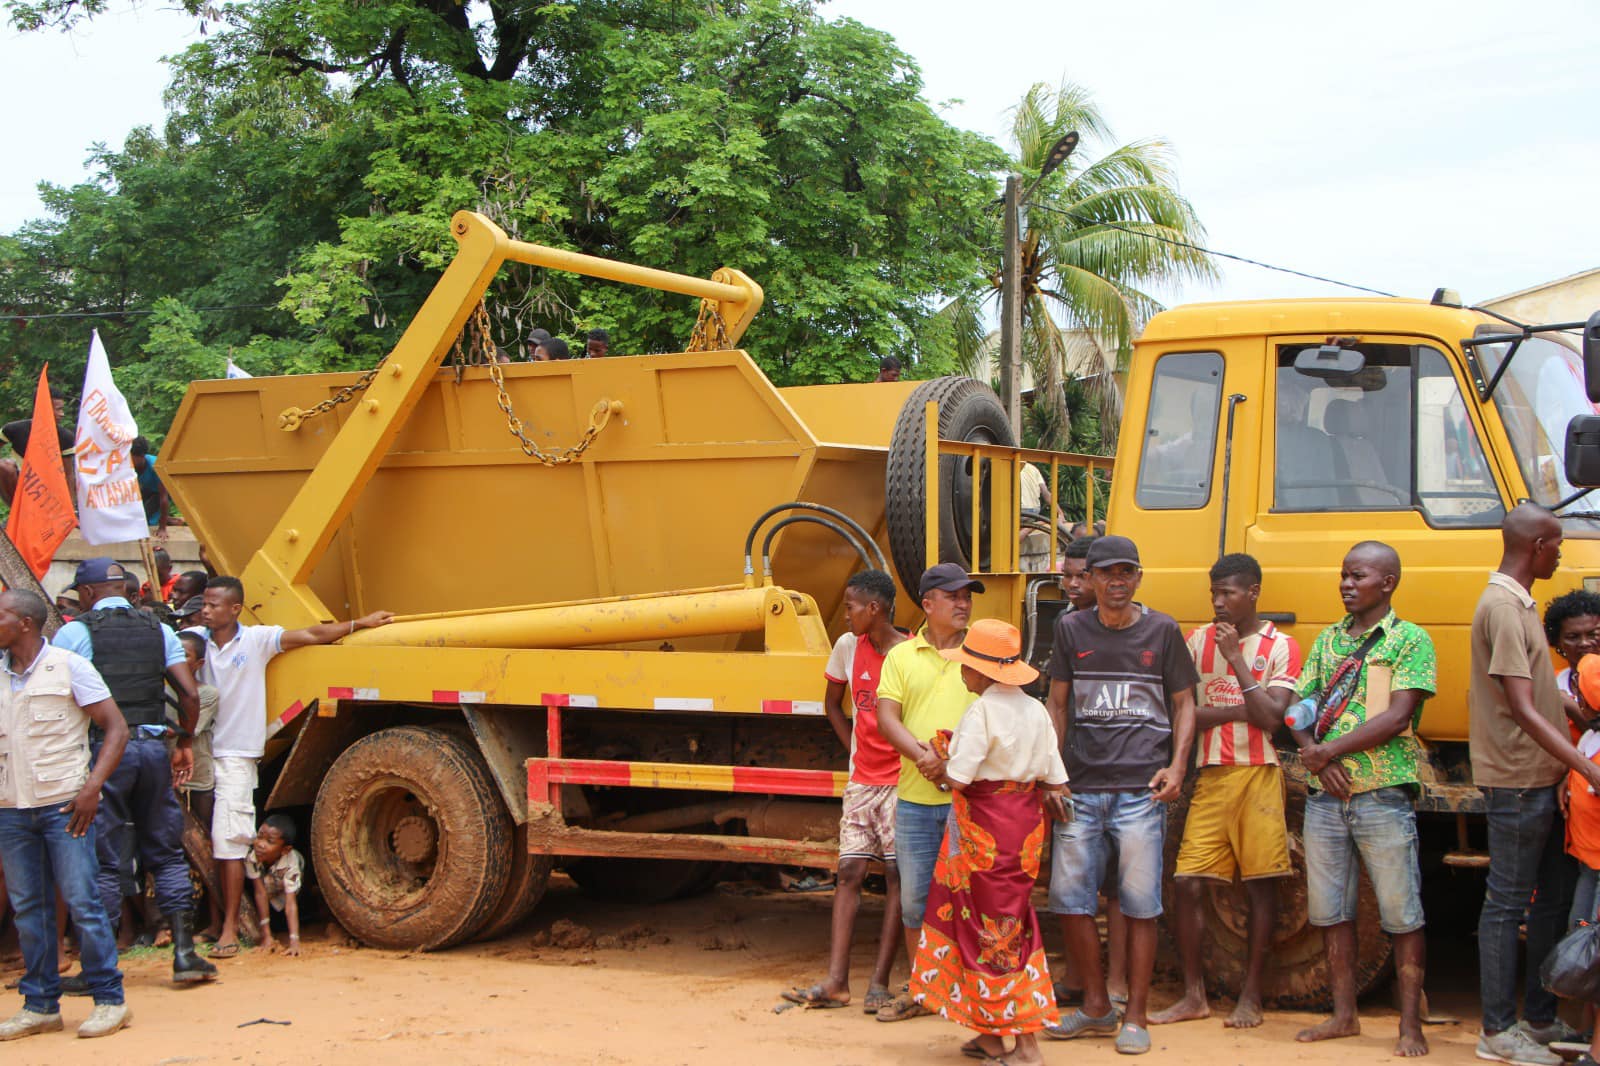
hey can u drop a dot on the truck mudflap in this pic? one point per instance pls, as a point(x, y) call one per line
point(799, 832)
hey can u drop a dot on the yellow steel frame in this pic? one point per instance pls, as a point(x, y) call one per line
point(278, 574)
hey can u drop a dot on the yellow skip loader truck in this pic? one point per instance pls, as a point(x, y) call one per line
point(617, 581)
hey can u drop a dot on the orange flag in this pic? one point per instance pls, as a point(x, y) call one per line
point(41, 511)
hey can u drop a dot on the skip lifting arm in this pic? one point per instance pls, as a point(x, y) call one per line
point(278, 573)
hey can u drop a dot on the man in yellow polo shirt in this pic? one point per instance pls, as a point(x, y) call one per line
point(919, 693)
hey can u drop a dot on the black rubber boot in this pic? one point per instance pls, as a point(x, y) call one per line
point(187, 967)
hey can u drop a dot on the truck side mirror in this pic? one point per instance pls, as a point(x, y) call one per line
point(1583, 442)
point(1329, 361)
point(1591, 358)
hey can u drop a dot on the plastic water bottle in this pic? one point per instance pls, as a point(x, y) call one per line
point(1301, 715)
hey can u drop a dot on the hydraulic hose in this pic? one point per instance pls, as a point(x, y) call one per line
point(797, 505)
point(766, 545)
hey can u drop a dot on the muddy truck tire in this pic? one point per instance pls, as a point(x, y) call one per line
point(525, 885)
point(968, 411)
point(1296, 976)
point(411, 841)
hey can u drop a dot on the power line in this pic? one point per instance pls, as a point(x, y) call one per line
point(1207, 251)
point(121, 314)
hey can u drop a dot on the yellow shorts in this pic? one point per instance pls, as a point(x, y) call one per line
point(1235, 825)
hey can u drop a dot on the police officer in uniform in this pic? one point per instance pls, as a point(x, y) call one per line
point(139, 812)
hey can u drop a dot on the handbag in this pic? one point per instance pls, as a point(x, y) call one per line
point(1572, 969)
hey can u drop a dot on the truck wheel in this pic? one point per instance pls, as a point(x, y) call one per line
point(410, 839)
point(1296, 976)
point(529, 877)
point(615, 880)
point(968, 411)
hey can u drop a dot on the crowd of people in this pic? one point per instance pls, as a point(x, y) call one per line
point(148, 708)
point(112, 735)
point(958, 777)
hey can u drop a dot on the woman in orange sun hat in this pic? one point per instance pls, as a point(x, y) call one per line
point(980, 961)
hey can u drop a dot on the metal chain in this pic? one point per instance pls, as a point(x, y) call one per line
point(480, 349)
point(710, 331)
point(292, 417)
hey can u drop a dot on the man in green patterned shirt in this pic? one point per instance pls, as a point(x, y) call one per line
point(1371, 673)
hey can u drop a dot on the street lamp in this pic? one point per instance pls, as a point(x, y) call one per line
point(1011, 279)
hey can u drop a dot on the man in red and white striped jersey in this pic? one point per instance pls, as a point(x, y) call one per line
point(1236, 823)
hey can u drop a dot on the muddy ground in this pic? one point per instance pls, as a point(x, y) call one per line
point(689, 983)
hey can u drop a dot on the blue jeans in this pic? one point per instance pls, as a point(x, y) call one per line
point(918, 832)
point(139, 816)
point(40, 857)
point(1381, 828)
point(1132, 822)
point(1530, 874)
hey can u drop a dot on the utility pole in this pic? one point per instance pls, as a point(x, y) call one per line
point(1011, 280)
point(1011, 307)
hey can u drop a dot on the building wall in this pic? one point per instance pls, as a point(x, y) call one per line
point(1571, 299)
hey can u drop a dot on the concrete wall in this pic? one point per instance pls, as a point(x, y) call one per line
point(1570, 299)
point(180, 544)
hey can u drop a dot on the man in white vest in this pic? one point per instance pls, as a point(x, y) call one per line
point(48, 797)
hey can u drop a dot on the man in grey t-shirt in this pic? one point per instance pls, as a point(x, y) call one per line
point(1122, 700)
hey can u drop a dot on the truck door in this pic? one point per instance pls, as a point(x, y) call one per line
point(1178, 413)
point(1392, 453)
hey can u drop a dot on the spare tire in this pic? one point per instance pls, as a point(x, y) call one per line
point(968, 411)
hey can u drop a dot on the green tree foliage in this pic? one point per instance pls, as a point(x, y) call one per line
point(1099, 233)
point(315, 150)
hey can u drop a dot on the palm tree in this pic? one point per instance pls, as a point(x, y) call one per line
point(1096, 235)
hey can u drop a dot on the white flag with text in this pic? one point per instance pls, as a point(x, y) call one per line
point(110, 507)
point(237, 371)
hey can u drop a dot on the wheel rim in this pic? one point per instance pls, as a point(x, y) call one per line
point(394, 844)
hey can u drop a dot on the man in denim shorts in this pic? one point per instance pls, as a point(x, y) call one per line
point(1371, 673)
point(1122, 700)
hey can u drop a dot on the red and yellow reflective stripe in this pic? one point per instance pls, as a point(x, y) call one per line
point(543, 773)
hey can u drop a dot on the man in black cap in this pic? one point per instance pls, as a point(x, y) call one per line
point(1122, 699)
point(921, 692)
point(139, 810)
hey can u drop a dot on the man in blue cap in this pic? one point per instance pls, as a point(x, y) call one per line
point(137, 656)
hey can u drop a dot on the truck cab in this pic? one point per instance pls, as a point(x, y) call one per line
point(1237, 439)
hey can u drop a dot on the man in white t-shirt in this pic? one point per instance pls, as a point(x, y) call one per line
point(236, 665)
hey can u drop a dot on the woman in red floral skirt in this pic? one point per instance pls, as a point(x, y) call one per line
point(980, 961)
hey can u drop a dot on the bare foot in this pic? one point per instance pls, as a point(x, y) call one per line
point(1246, 1015)
point(1411, 1045)
point(1192, 1007)
point(1018, 1058)
point(1332, 1029)
point(990, 1045)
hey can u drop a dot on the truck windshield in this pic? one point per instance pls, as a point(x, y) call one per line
point(1539, 395)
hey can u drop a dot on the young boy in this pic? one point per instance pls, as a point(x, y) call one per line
point(276, 868)
point(866, 829)
point(197, 792)
point(1236, 821)
point(980, 959)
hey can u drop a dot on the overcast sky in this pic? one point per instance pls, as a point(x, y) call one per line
point(1401, 145)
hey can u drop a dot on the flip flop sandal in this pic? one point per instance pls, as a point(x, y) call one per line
point(224, 951)
point(814, 998)
point(877, 998)
point(901, 1008)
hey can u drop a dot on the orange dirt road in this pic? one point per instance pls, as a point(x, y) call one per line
point(704, 996)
